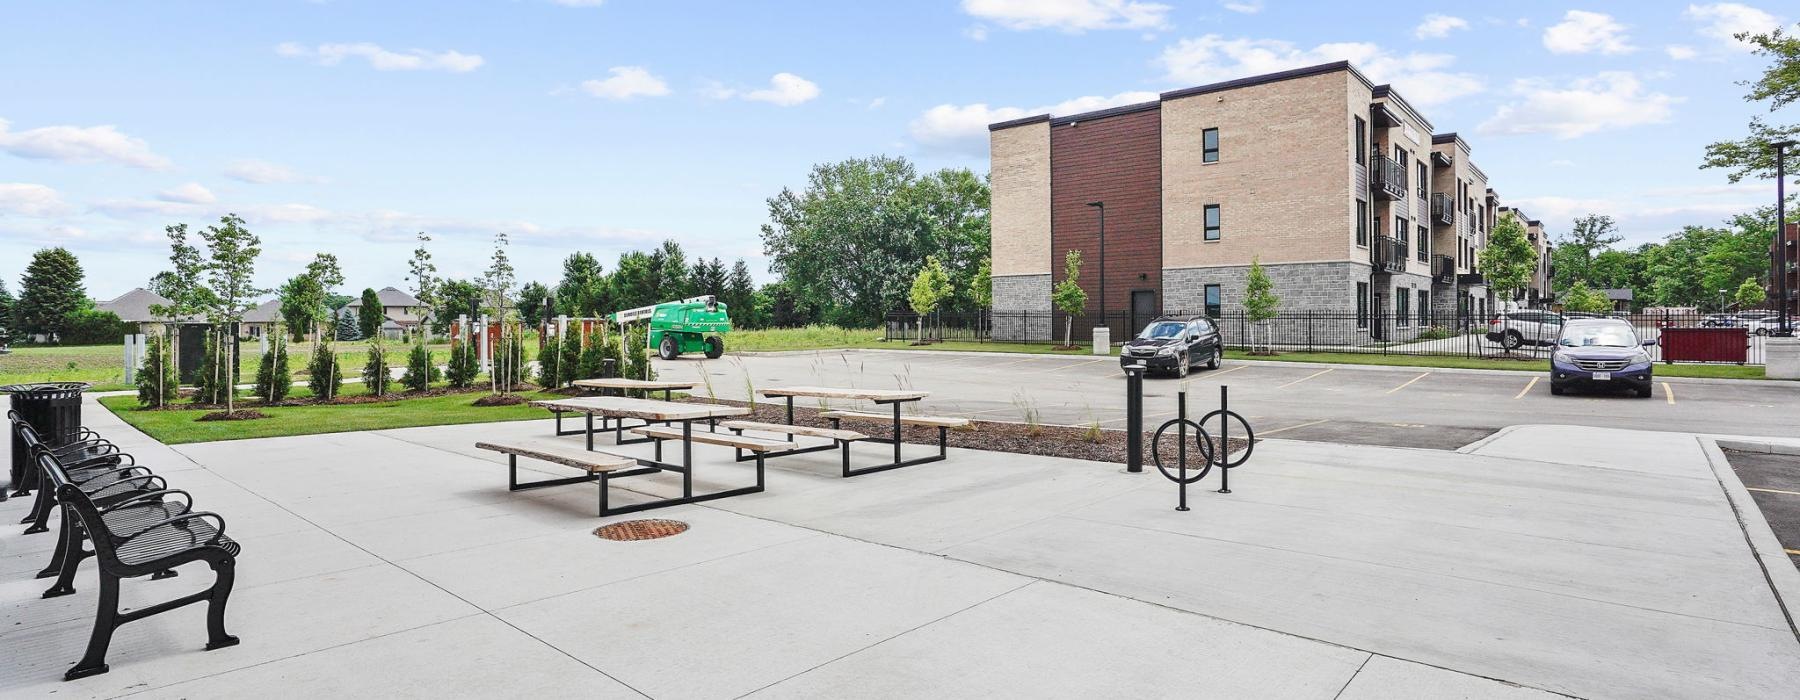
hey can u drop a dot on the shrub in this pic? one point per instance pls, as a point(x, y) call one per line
point(570, 360)
point(327, 374)
point(95, 327)
point(420, 370)
point(464, 365)
point(375, 372)
point(509, 365)
point(550, 375)
point(594, 356)
point(272, 377)
point(156, 381)
point(637, 357)
point(214, 378)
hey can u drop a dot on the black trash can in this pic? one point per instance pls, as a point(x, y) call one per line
point(54, 410)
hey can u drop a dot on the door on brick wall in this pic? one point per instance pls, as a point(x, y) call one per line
point(1143, 310)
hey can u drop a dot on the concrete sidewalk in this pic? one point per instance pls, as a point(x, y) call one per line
point(394, 563)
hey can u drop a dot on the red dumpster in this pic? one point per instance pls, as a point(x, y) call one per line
point(1704, 345)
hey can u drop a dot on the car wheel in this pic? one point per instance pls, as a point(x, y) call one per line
point(1643, 392)
point(1218, 356)
point(1181, 366)
point(1512, 340)
point(715, 347)
point(667, 349)
point(1762, 331)
point(1556, 389)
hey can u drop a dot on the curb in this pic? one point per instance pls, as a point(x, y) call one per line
point(1273, 363)
point(1470, 448)
point(1778, 569)
point(1766, 448)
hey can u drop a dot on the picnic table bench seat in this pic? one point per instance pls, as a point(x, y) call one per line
point(785, 429)
point(742, 442)
point(929, 421)
point(566, 455)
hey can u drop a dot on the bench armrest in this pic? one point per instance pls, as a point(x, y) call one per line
point(87, 444)
point(148, 482)
point(97, 460)
point(220, 531)
point(187, 500)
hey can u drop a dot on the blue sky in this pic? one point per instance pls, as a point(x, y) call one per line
point(346, 126)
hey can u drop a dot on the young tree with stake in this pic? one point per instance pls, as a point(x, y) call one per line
point(1069, 297)
point(232, 252)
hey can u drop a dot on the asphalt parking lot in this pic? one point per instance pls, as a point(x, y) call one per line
point(1395, 406)
point(1774, 482)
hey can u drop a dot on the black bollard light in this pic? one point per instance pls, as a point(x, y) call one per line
point(1134, 417)
point(1224, 451)
point(1181, 446)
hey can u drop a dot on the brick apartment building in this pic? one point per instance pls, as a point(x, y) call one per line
point(1537, 290)
point(1337, 185)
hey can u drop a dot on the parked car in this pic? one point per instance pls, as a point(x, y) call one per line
point(1512, 330)
point(1175, 344)
point(1763, 326)
point(1600, 353)
point(1722, 321)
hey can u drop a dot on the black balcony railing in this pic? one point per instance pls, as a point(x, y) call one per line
point(1387, 178)
point(1443, 213)
point(1388, 254)
point(1443, 269)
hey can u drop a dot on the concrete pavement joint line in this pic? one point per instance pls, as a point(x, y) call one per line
point(1310, 376)
point(1427, 572)
point(1352, 678)
point(424, 580)
point(1527, 389)
point(1721, 467)
point(897, 635)
point(1409, 382)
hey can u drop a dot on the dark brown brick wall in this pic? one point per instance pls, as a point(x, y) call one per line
point(1117, 160)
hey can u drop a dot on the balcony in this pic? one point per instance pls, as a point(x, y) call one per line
point(1443, 211)
point(1386, 178)
point(1388, 255)
point(1443, 269)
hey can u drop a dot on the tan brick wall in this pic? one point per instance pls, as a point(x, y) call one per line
point(1021, 199)
point(1281, 180)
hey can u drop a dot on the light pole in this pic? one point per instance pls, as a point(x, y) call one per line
point(1721, 301)
point(1786, 328)
point(1102, 207)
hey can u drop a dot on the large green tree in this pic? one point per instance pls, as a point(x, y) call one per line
point(423, 275)
point(634, 281)
point(1574, 254)
point(669, 279)
point(531, 304)
point(707, 277)
point(852, 240)
point(583, 291)
point(6, 314)
point(51, 293)
point(740, 296)
point(1779, 86)
point(1509, 259)
point(460, 297)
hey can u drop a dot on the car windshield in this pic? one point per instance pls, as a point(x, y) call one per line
point(1163, 329)
point(1603, 336)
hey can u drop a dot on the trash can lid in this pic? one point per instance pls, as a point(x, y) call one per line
point(43, 387)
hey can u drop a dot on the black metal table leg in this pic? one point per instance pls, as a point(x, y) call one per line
point(589, 431)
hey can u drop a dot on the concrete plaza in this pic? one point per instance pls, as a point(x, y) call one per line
point(1543, 560)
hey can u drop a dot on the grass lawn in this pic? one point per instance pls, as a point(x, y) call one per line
point(103, 365)
point(181, 426)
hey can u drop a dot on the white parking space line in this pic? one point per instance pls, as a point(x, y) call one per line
point(1409, 382)
point(1291, 427)
point(1081, 364)
point(1310, 376)
point(1528, 385)
point(1669, 391)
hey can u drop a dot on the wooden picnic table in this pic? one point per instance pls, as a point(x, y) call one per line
point(893, 397)
point(618, 408)
point(622, 384)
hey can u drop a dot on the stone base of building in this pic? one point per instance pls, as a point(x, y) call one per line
point(1325, 287)
point(1021, 308)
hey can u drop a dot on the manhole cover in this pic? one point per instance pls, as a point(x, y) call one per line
point(632, 530)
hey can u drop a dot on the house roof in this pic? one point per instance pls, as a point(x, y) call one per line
point(134, 305)
point(1617, 294)
point(390, 296)
point(266, 312)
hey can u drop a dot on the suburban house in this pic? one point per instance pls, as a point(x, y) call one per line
point(1339, 187)
point(403, 312)
point(134, 306)
point(1621, 299)
point(258, 321)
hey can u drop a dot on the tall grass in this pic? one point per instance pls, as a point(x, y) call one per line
point(814, 337)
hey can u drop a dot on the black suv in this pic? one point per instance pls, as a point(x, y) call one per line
point(1175, 344)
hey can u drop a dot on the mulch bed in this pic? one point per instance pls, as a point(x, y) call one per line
point(500, 400)
point(240, 414)
point(997, 436)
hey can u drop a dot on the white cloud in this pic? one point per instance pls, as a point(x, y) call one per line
point(1436, 26)
point(1722, 21)
point(977, 32)
point(1423, 78)
point(785, 89)
point(383, 59)
point(27, 199)
point(190, 193)
point(80, 144)
point(627, 82)
point(1680, 52)
point(1587, 32)
point(1608, 100)
point(962, 129)
point(1248, 7)
point(257, 172)
point(1073, 16)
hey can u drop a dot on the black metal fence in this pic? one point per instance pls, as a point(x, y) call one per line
point(1521, 334)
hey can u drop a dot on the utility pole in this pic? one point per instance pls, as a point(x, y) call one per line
point(1786, 328)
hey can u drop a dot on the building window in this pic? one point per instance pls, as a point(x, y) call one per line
point(1422, 180)
point(1214, 300)
point(1212, 222)
point(1361, 137)
point(1209, 145)
point(1400, 236)
point(1362, 304)
point(1424, 245)
point(1362, 223)
point(1402, 315)
point(1424, 308)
